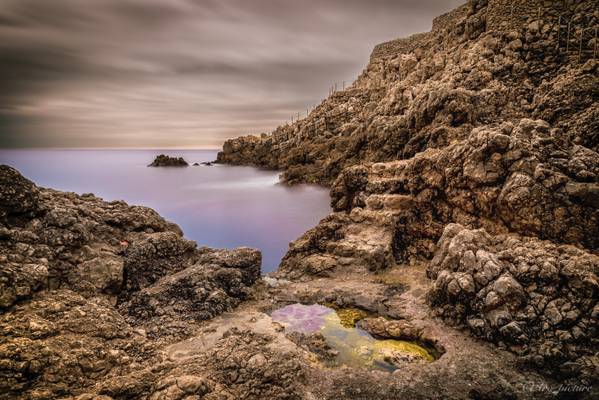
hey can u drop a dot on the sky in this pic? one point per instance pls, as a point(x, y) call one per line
point(181, 73)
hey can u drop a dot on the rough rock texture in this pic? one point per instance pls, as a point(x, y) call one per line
point(488, 121)
point(469, 151)
point(198, 292)
point(59, 342)
point(431, 89)
point(390, 329)
point(361, 240)
point(240, 365)
point(18, 196)
point(522, 178)
point(534, 297)
point(89, 289)
point(163, 160)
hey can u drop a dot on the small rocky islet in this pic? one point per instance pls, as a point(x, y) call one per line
point(462, 255)
point(163, 160)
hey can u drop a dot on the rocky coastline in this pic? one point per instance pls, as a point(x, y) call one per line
point(102, 300)
point(464, 173)
point(91, 289)
point(470, 151)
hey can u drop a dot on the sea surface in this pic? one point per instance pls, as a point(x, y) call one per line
point(218, 206)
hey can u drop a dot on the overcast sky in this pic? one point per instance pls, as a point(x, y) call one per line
point(181, 73)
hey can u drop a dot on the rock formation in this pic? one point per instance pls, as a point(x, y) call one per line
point(88, 289)
point(534, 297)
point(464, 173)
point(163, 160)
point(471, 150)
point(107, 301)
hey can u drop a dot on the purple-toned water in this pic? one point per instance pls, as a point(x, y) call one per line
point(302, 318)
point(217, 206)
point(354, 346)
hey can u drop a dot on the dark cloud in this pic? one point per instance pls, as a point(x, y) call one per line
point(144, 73)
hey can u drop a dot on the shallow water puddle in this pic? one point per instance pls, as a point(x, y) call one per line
point(355, 346)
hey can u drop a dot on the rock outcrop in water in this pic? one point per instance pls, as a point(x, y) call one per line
point(486, 129)
point(163, 160)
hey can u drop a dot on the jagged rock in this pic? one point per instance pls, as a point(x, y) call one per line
point(20, 281)
point(198, 293)
point(67, 260)
point(154, 256)
point(246, 259)
point(534, 296)
point(163, 160)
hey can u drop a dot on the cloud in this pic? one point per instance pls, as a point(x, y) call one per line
point(145, 73)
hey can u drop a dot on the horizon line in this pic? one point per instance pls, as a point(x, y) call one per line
point(113, 148)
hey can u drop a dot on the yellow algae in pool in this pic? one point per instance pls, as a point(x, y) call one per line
point(349, 316)
point(358, 348)
point(386, 348)
point(355, 347)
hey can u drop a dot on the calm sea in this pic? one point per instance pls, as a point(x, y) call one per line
point(217, 206)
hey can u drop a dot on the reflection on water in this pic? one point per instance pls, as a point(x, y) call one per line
point(217, 206)
point(355, 347)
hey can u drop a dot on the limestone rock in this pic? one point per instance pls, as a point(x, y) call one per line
point(89, 290)
point(537, 297)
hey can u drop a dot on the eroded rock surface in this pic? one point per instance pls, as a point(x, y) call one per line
point(90, 290)
point(196, 293)
point(468, 152)
point(532, 296)
point(489, 122)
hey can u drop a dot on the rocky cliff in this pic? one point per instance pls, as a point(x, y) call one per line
point(471, 150)
point(464, 173)
point(431, 89)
